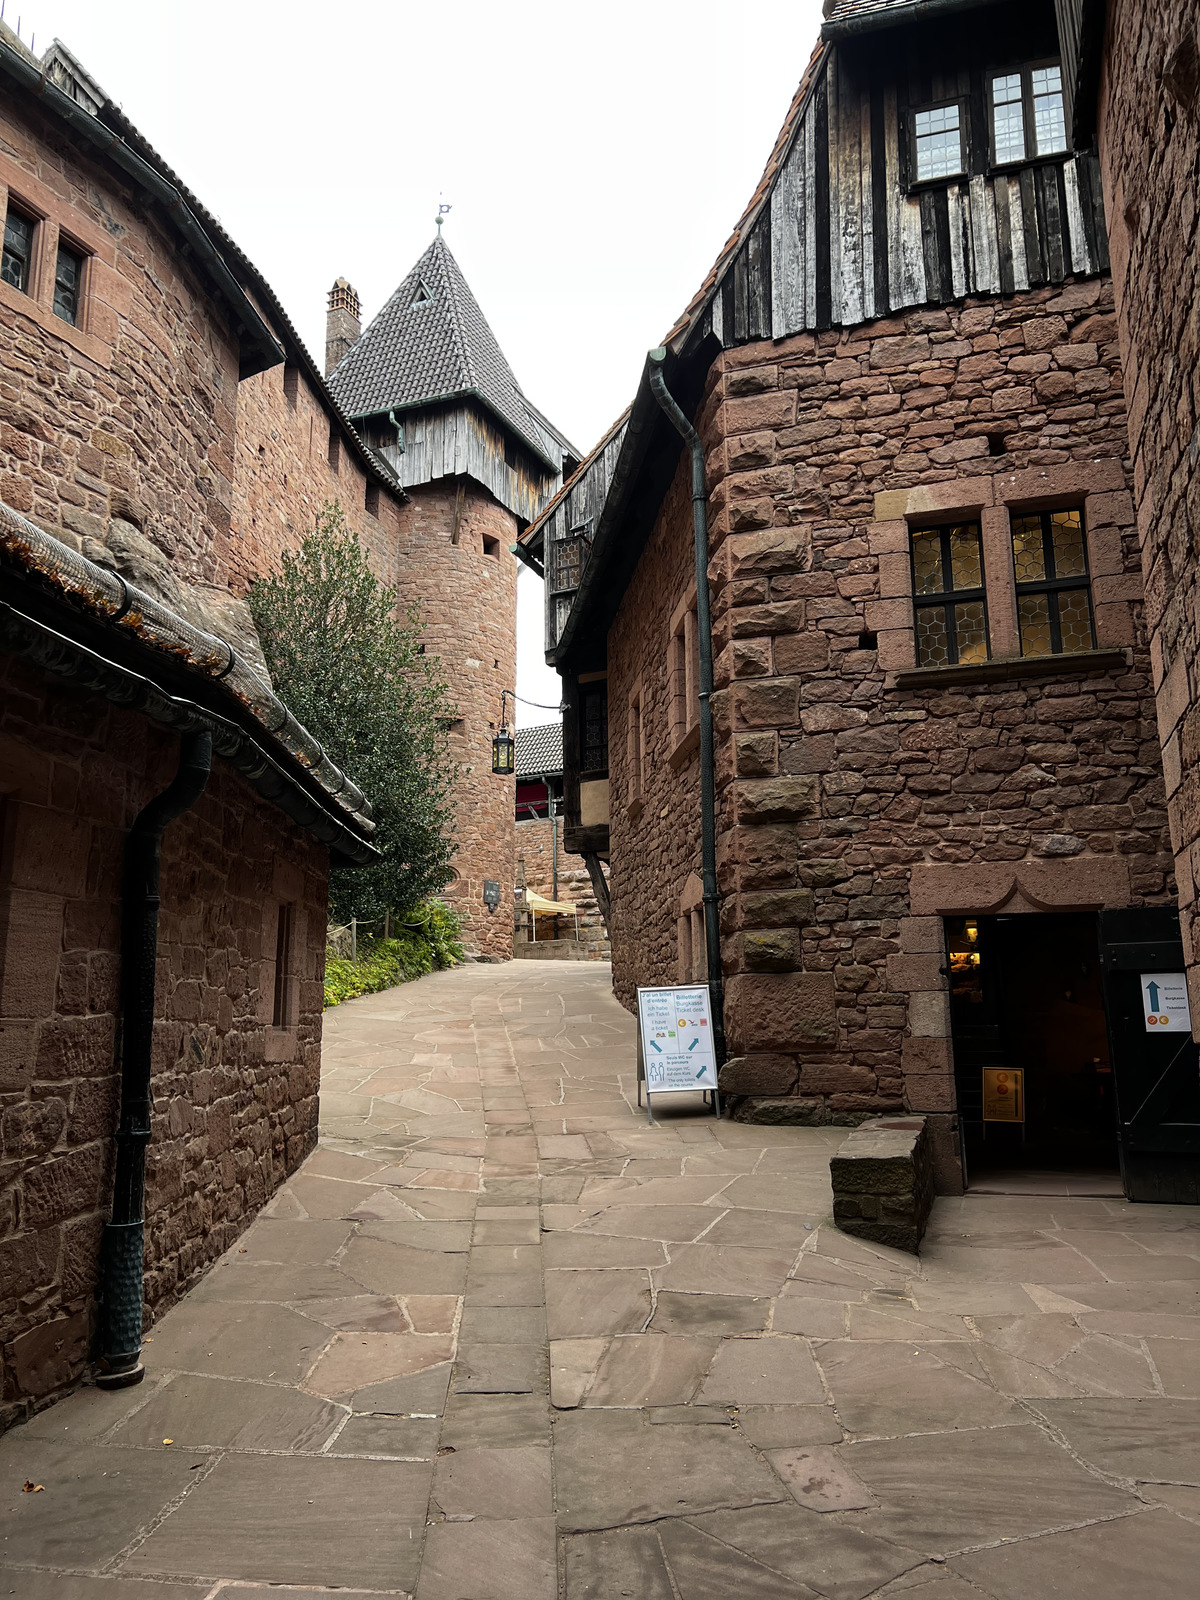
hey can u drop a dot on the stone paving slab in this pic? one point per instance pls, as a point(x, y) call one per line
point(501, 1340)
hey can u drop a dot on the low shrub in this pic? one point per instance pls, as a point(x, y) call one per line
point(428, 937)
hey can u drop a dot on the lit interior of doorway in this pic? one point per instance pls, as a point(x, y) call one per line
point(1031, 1059)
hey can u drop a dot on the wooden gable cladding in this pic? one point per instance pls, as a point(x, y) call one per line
point(844, 236)
point(574, 516)
point(462, 440)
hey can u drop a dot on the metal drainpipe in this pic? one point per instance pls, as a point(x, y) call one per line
point(708, 786)
point(121, 1264)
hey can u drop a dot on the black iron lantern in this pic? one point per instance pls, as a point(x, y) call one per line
point(504, 753)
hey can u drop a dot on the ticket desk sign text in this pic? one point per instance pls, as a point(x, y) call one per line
point(676, 1038)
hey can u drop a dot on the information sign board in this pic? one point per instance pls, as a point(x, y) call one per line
point(1003, 1094)
point(676, 1037)
point(1165, 1002)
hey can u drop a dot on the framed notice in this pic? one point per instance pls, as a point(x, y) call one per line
point(675, 1042)
point(1165, 1002)
point(1003, 1094)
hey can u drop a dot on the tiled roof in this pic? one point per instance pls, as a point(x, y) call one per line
point(539, 750)
point(432, 342)
point(862, 16)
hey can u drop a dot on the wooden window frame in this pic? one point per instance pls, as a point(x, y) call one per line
point(914, 183)
point(946, 598)
point(1031, 157)
point(1053, 586)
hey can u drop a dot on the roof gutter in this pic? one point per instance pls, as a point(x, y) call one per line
point(895, 16)
point(527, 559)
point(269, 351)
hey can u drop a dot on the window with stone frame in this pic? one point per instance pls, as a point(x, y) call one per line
point(68, 282)
point(16, 265)
point(1028, 118)
point(949, 598)
point(683, 674)
point(1054, 591)
point(281, 1009)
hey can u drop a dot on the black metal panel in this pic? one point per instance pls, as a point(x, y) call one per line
point(1157, 1077)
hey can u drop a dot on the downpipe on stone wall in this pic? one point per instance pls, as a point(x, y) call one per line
point(121, 1260)
point(708, 785)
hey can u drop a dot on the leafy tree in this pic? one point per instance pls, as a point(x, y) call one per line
point(351, 670)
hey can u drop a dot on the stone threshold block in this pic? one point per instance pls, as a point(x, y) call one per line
point(883, 1182)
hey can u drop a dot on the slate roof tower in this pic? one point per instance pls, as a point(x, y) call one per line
point(429, 389)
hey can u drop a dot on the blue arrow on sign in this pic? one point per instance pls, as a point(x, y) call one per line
point(1152, 989)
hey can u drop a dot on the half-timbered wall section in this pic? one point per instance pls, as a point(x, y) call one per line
point(569, 527)
point(846, 229)
point(462, 441)
point(849, 231)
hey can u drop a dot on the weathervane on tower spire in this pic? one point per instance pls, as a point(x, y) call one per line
point(442, 210)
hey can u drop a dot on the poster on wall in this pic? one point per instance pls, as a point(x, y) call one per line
point(1165, 1002)
point(676, 1039)
point(1003, 1094)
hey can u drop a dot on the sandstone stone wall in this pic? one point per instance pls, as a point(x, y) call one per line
point(434, 550)
point(853, 812)
point(130, 414)
point(287, 472)
point(1149, 138)
point(468, 600)
point(235, 1099)
point(535, 870)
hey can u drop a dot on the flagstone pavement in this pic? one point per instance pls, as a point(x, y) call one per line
point(501, 1340)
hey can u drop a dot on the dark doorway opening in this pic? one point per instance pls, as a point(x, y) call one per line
point(1031, 1056)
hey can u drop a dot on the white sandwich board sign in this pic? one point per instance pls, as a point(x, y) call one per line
point(676, 1037)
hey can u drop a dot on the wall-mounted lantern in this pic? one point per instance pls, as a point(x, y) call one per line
point(504, 753)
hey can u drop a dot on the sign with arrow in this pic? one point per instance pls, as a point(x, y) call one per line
point(1165, 1002)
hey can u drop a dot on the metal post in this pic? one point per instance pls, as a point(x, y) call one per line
point(354, 938)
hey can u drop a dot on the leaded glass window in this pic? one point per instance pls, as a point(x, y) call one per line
point(18, 250)
point(937, 142)
point(1008, 119)
point(949, 598)
point(68, 277)
point(1054, 598)
point(1049, 117)
point(593, 728)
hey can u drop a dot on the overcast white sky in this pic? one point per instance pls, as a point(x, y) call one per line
point(596, 157)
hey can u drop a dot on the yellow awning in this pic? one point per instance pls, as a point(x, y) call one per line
point(535, 902)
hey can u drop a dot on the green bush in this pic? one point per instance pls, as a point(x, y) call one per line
point(427, 938)
point(354, 671)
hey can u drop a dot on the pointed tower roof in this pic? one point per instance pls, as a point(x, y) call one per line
point(432, 342)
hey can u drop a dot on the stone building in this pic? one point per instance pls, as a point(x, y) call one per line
point(544, 866)
point(132, 331)
point(429, 389)
point(942, 854)
point(1135, 93)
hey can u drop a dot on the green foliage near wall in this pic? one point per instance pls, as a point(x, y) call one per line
point(426, 938)
point(352, 671)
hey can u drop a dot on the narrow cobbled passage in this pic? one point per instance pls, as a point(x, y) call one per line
point(745, 1402)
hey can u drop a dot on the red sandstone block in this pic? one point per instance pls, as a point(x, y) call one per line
point(31, 938)
point(777, 410)
point(779, 1011)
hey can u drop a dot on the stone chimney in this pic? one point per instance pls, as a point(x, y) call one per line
point(342, 324)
